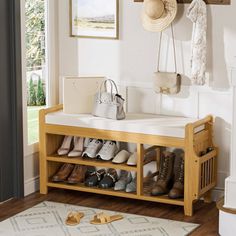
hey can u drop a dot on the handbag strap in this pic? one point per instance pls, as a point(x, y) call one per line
point(112, 83)
point(159, 50)
point(104, 85)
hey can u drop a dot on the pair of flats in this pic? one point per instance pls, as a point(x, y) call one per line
point(97, 148)
point(77, 144)
point(126, 182)
point(131, 159)
point(102, 179)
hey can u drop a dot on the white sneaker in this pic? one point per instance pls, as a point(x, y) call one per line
point(93, 148)
point(108, 151)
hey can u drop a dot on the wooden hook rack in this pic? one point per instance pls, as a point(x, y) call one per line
point(218, 2)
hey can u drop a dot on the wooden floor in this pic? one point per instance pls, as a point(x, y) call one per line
point(205, 214)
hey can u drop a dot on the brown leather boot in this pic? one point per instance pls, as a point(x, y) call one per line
point(164, 179)
point(77, 175)
point(63, 172)
point(178, 188)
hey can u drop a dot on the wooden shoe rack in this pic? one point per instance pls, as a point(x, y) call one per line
point(200, 171)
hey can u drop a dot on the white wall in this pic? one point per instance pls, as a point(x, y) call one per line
point(132, 60)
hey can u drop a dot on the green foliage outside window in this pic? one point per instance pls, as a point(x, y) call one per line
point(35, 50)
point(32, 99)
point(35, 33)
point(40, 94)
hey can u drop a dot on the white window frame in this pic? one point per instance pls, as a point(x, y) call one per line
point(52, 92)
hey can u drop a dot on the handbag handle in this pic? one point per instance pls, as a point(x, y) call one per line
point(159, 50)
point(112, 82)
point(104, 85)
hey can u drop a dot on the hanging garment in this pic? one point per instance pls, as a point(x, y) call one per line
point(197, 13)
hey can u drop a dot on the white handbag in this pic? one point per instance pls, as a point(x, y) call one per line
point(167, 82)
point(109, 104)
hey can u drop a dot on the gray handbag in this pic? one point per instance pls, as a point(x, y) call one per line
point(167, 82)
point(109, 104)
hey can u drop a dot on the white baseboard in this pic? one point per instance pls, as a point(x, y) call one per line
point(31, 185)
point(217, 194)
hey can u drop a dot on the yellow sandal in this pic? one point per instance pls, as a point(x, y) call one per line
point(74, 218)
point(101, 218)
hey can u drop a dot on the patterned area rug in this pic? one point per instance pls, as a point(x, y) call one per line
point(47, 219)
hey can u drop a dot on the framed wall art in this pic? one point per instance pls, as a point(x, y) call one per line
point(94, 19)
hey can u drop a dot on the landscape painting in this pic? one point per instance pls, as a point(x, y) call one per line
point(94, 18)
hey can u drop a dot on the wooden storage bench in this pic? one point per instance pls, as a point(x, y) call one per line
point(192, 135)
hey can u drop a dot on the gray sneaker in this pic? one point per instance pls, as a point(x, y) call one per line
point(131, 187)
point(93, 148)
point(108, 151)
point(125, 178)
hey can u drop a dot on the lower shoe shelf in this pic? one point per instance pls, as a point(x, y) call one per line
point(145, 196)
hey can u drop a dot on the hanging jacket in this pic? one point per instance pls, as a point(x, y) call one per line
point(197, 13)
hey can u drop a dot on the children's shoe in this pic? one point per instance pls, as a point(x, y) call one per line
point(108, 151)
point(93, 148)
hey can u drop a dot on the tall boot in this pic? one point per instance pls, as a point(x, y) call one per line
point(178, 188)
point(165, 177)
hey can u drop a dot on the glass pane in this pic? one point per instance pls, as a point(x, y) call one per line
point(35, 64)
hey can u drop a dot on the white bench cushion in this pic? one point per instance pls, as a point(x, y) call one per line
point(170, 126)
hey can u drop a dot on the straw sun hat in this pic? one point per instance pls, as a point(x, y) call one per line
point(158, 14)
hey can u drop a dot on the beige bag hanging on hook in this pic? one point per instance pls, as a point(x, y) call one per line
point(167, 82)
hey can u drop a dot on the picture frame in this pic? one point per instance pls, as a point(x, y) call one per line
point(94, 19)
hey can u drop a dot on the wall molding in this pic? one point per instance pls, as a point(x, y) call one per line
point(31, 185)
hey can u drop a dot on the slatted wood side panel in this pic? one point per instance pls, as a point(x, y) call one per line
point(207, 174)
point(201, 141)
point(218, 2)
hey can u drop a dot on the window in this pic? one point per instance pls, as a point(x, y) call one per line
point(35, 63)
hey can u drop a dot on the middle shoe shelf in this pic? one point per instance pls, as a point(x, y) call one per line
point(91, 162)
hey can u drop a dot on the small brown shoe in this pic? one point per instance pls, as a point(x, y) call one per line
point(178, 188)
point(63, 173)
point(164, 179)
point(77, 175)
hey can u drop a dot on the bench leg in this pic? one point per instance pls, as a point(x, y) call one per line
point(188, 208)
point(207, 197)
point(43, 179)
point(43, 190)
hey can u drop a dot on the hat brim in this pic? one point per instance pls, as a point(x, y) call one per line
point(169, 14)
